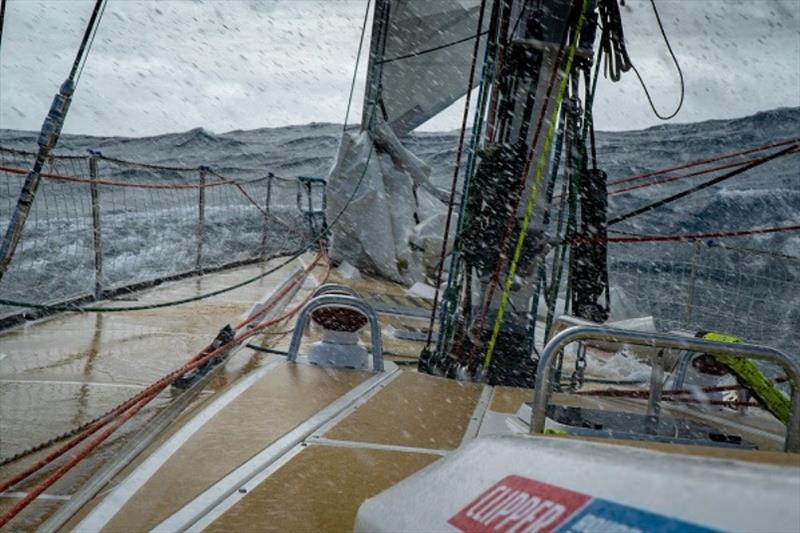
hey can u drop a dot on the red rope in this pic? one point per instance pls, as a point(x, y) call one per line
point(692, 174)
point(701, 236)
point(75, 459)
point(78, 179)
point(130, 407)
point(705, 161)
point(241, 190)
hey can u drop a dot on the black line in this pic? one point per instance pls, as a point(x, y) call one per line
point(434, 49)
point(702, 186)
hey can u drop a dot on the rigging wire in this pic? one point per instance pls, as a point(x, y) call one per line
point(91, 40)
point(719, 244)
point(456, 270)
point(138, 164)
point(225, 181)
point(701, 236)
point(83, 50)
point(433, 49)
point(494, 280)
point(706, 161)
point(695, 174)
point(2, 20)
point(135, 405)
point(355, 69)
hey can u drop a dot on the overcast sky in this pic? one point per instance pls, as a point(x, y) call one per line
point(171, 65)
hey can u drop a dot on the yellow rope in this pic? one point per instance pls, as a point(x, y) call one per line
point(562, 89)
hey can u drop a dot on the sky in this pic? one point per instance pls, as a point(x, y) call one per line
point(172, 65)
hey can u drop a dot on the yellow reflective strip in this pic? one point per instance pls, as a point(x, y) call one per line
point(761, 387)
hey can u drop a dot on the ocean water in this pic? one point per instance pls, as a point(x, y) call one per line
point(748, 286)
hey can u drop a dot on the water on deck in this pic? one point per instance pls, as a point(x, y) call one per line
point(60, 372)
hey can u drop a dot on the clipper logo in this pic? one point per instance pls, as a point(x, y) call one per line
point(520, 505)
point(516, 504)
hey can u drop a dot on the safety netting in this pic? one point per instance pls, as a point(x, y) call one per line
point(99, 225)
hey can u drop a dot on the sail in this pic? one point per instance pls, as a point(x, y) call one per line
point(420, 59)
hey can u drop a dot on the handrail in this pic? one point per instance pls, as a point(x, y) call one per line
point(543, 383)
point(335, 288)
point(339, 300)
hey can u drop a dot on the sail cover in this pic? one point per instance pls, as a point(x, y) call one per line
point(421, 58)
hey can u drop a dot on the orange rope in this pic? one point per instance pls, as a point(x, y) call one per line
point(133, 405)
point(78, 179)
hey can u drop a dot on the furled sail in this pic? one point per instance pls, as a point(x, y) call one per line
point(420, 59)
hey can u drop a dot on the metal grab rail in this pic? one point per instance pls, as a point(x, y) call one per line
point(335, 288)
point(543, 385)
point(339, 300)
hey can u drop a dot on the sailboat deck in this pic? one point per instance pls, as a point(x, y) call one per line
point(283, 446)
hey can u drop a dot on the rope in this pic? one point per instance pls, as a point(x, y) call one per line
point(700, 162)
point(314, 240)
point(684, 176)
point(704, 185)
point(535, 186)
point(241, 190)
point(112, 183)
point(134, 404)
point(702, 236)
point(253, 331)
point(441, 46)
point(454, 182)
point(53, 440)
point(451, 296)
point(677, 66)
point(148, 166)
point(94, 309)
point(48, 138)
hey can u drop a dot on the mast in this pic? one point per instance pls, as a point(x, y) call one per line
point(488, 314)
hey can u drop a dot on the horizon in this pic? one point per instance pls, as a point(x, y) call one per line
point(174, 66)
point(34, 133)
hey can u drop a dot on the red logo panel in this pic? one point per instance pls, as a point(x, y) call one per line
point(517, 504)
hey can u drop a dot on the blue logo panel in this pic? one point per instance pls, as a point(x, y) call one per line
point(602, 516)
